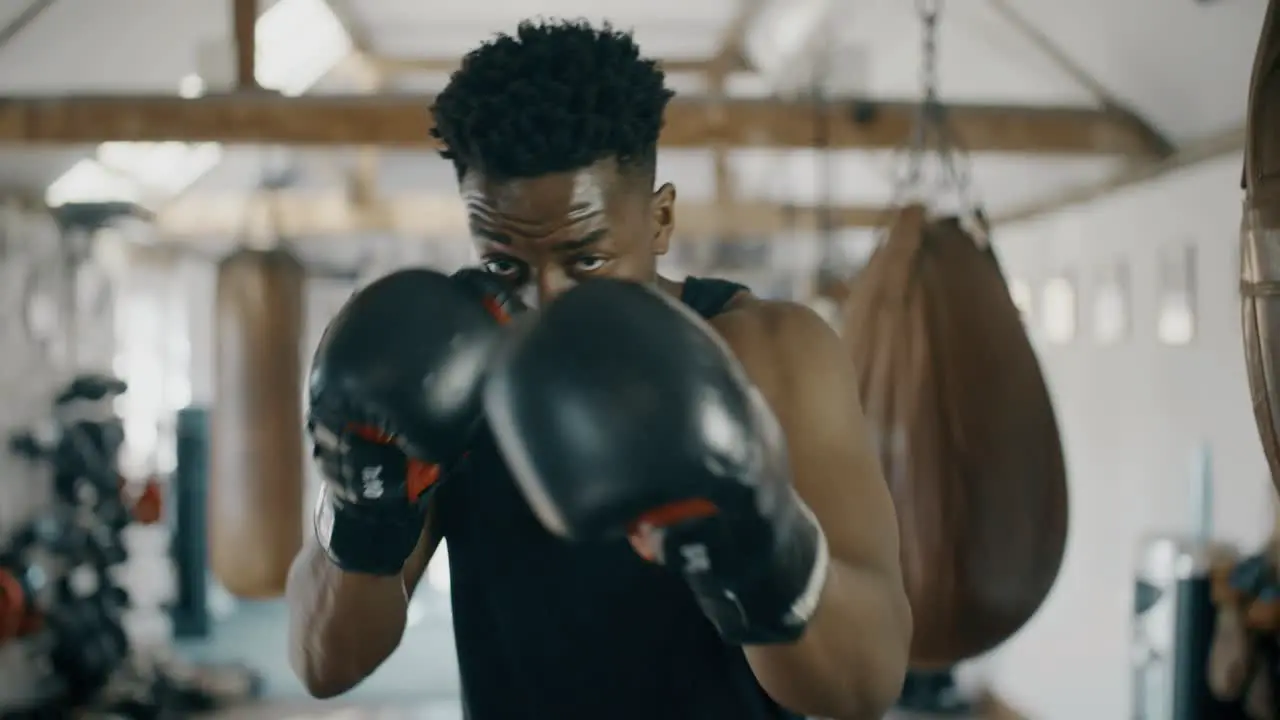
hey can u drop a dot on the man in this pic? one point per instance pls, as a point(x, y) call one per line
point(649, 513)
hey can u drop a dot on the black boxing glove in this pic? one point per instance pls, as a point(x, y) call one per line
point(620, 412)
point(394, 402)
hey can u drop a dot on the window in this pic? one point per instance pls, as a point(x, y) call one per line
point(1058, 310)
point(144, 173)
point(784, 40)
point(1176, 304)
point(298, 43)
point(89, 181)
point(161, 170)
point(153, 357)
point(1111, 321)
point(1177, 323)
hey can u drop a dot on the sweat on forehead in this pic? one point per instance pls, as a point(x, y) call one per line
point(563, 195)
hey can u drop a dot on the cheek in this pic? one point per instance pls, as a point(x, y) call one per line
point(634, 266)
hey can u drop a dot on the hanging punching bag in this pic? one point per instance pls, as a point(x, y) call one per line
point(256, 461)
point(966, 434)
point(1260, 240)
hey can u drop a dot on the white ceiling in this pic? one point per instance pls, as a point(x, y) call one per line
point(1181, 64)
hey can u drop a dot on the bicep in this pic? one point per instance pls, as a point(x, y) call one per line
point(416, 566)
point(838, 472)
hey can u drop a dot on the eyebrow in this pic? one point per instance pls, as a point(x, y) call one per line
point(586, 241)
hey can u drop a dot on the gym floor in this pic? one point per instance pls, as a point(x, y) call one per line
point(419, 682)
point(341, 710)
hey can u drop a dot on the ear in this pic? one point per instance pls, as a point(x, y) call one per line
point(662, 208)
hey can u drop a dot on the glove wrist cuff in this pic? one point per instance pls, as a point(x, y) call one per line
point(775, 604)
point(810, 542)
point(365, 542)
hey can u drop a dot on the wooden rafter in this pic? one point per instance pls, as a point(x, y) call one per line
point(244, 19)
point(393, 65)
point(310, 214)
point(403, 121)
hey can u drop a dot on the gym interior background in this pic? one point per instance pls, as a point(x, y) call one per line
point(1103, 139)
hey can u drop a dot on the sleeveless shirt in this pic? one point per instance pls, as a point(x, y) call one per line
point(551, 630)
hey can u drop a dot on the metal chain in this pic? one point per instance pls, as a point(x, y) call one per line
point(929, 11)
point(932, 134)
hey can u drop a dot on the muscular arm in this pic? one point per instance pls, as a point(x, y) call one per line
point(852, 659)
point(342, 626)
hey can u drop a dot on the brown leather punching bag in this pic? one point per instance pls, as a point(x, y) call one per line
point(966, 433)
point(1260, 240)
point(256, 484)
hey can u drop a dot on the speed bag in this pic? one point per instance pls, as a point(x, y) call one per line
point(1260, 240)
point(256, 473)
point(965, 429)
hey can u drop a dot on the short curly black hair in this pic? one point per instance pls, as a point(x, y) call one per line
point(558, 95)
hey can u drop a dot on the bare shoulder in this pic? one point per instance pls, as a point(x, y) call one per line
point(787, 337)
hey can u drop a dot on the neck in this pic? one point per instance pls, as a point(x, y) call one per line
point(668, 286)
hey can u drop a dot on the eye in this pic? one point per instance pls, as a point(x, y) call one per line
point(589, 263)
point(504, 267)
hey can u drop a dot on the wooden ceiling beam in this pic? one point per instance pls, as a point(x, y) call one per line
point(312, 214)
point(393, 65)
point(403, 121)
point(244, 19)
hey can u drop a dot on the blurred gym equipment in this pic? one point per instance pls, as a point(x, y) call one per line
point(1179, 579)
point(59, 593)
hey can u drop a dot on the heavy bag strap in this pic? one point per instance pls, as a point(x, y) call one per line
point(1260, 288)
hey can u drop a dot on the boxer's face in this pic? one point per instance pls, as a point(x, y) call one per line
point(546, 234)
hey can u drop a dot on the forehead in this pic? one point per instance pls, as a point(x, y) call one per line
point(550, 198)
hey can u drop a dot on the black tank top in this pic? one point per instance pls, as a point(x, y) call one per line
point(548, 630)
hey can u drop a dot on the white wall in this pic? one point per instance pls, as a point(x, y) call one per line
point(1130, 415)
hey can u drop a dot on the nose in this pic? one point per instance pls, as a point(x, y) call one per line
point(552, 282)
